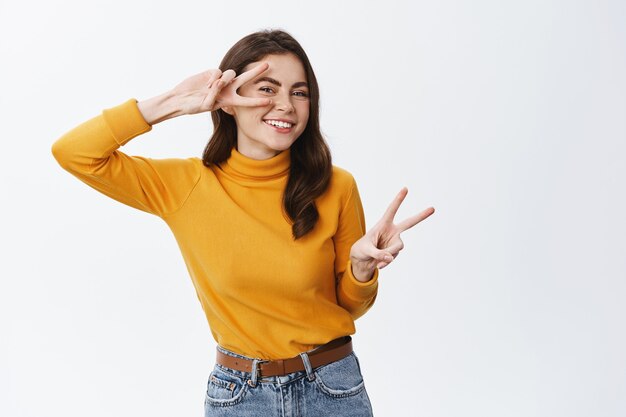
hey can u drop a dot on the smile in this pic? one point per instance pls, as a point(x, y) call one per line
point(279, 124)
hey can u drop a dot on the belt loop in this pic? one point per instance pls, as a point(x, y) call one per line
point(307, 366)
point(255, 363)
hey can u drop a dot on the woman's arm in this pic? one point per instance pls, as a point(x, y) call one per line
point(90, 152)
point(162, 107)
point(352, 294)
point(158, 186)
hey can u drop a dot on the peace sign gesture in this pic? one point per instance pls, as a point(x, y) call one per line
point(382, 243)
point(214, 89)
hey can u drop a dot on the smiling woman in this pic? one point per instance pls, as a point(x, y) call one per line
point(287, 115)
point(272, 233)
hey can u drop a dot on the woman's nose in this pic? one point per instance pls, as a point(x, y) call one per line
point(284, 104)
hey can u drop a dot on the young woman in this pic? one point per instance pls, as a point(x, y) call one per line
point(272, 233)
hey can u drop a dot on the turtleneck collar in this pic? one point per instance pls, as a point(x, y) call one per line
point(257, 169)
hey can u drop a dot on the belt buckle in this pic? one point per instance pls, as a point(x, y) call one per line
point(258, 366)
point(256, 371)
point(279, 365)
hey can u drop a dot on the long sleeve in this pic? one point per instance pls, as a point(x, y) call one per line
point(355, 296)
point(263, 294)
point(90, 153)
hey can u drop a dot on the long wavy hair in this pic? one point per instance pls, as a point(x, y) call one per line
point(311, 164)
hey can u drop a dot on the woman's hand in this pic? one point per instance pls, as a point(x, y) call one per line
point(382, 243)
point(214, 89)
point(206, 91)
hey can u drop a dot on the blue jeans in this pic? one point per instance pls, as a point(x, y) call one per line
point(336, 389)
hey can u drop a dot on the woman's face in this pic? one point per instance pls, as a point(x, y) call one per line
point(285, 83)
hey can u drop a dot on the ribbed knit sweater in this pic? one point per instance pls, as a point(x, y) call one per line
point(265, 295)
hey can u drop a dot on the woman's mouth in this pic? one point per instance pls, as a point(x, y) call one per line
point(281, 127)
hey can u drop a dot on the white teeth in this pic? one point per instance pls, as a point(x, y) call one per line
point(278, 124)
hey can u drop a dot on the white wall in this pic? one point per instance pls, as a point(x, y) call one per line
point(507, 117)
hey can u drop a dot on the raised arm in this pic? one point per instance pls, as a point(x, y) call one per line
point(90, 153)
point(158, 186)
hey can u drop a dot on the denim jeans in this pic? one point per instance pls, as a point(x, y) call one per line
point(336, 389)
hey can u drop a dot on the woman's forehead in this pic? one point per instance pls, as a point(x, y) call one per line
point(286, 66)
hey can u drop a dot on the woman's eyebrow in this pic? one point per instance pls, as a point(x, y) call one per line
point(276, 82)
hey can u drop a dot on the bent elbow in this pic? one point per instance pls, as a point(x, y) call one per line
point(60, 153)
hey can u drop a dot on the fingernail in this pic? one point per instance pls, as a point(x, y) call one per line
point(388, 258)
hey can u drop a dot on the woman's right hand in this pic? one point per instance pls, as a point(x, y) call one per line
point(206, 91)
point(214, 89)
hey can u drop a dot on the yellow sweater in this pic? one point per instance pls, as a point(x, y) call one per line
point(264, 294)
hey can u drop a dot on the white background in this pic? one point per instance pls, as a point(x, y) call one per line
point(507, 117)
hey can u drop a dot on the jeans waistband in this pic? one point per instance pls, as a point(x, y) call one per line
point(253, 375)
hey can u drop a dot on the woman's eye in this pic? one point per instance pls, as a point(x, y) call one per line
point(265, 89)
point(301, 94)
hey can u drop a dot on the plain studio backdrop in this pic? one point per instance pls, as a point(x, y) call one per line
point(508, 117)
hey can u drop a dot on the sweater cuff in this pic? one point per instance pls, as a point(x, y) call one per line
point(125, 121)
point(356, 289)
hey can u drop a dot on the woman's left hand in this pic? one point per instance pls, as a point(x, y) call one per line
point(382, 243)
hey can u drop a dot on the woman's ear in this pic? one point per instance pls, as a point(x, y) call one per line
point(228, 110)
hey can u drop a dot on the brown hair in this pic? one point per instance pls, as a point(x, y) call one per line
point(311, 164)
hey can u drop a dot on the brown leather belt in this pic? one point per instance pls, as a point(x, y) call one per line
point(322, 355)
